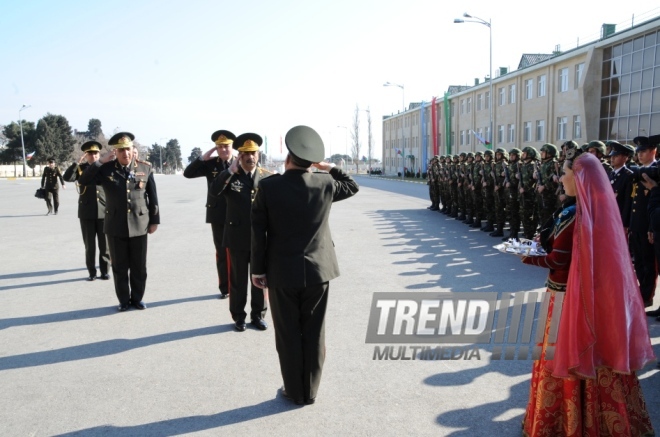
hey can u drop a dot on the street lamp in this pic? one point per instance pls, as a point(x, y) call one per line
point(20, 123)
point(403, 93)
point(490, 77)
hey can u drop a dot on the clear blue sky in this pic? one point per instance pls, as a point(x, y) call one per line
point(183, 69)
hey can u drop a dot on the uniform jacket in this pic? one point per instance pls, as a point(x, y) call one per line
point(131, 199)
point(291, 241)
point(216, 206)
point(49, 178)
point(238, 190)
point(91, 199)
point(636, 211)
point(622, 185)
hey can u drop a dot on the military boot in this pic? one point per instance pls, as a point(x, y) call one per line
point(476, 224)
point(469, 220)
point(461, 216)
point(489, 226)
point(499, 232)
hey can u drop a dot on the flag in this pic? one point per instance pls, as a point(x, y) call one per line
point(398, 151)
point(481, 139)
point(30, 155)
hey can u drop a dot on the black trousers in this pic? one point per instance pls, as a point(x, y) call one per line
point(92, 230)
point(56, 199)
point(129, 267)
point(220, 258)
point(644, 262)
point(239, 278)
point(299, 322)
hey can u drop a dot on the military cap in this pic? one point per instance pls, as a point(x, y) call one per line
point(644, 143)
point(515, 151)
point(91, 146)
point(122, 140)
point(621, 149)
point(549, 148)
point(598, 145)
point(488, 152)
point(51, 159)
point(248, 142)
point(305, 143)
point(223, 137)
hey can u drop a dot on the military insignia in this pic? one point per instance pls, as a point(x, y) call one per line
point(237, 186)
point(111, 178)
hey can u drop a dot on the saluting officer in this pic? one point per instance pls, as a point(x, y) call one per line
point(131, 213)
point(49, 182)
point(239, 185)
point(210, 167)
point(91, 211)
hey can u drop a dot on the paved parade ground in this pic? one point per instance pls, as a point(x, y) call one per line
point(70, 364)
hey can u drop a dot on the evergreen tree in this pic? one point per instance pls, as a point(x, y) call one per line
point(54, 138)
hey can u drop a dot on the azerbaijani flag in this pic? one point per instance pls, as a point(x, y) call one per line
point(30, 155)
point(398, 151)
point(481, 139)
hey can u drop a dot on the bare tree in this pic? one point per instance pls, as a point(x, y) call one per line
point(355, 135)
point(370, 139)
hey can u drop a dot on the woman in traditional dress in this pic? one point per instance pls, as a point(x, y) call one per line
point(589, 387)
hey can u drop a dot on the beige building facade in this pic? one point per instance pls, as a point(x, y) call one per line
point(606, 90)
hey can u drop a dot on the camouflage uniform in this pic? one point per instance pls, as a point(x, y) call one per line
point(600, 149)
point(477, 181)
point(432, 177)
point(511, 193)
point(527, 189)
point(501, 158)
point(548, 184)
point(467, 189)
point(460, 168)
point(488, 191)
point(453, 175)
point(444, 187)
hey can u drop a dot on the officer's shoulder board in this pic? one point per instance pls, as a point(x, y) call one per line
point(144, 162)
point(263, 171)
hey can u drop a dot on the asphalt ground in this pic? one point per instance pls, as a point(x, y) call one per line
point(70, 364)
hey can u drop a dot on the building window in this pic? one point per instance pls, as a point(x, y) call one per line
point(480, 99)
point(462, 138)
point(452, 108)
point(540, 130)
point(467, 137)
point(487, 99)
point(500, 133)
point(512, 93)
point(469, 105)
point(488, 137)
point(562, 123)
point(502, 96)
point(527, 131)
point(529, 89)
point(480, 131)
point(577, 127)
point(512, 133)
point(563, 80)
point(541, 86)
point(462, 106)
point(579, 68)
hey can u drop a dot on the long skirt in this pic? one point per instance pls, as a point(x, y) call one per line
point(611, 404)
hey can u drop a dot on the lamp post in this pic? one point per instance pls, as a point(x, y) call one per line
point(490, 77)
point(346, 145)
point(403, 93)
point(20, 123)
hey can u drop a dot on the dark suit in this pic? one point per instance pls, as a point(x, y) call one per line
point(49, 183)
point(216, 212)
point(91, 210)
point(292, 246)
point(131, 206)
point(622, 185)
point(239, 191)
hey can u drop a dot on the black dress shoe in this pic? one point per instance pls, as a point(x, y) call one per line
point(123, 307)
point(240, 325)
point(105, 276)
point(310, 401)
point(140, 305)
point(286, 395)
point(260, 324)
point(91, 278)
point(654, 313)
point(224, 295)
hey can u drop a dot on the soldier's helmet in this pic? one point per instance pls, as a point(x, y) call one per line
point(503, 151)
point(470, 155)
point(479, 153)
point(550, 149)
point(569, 145)
point(598, 145)
point(515, 151)
point(455, 157)
point(488, 153)
point(531, 152)
point(463, 155)
point(442, 157)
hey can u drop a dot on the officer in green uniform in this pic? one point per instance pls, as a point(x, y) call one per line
point(49, 182)
point(239, 186)
point(548, 184)
point(477, 187)
point(453, 186)
point(210, 166)
point(501, 161)
point(527, 189)
point(443, 181)
point(432, 181)
point(91, 211)
point(467, 188)
point(488, 192)
point(460, 193)
point(512, 176)
point(598, 149)
point(131, 212)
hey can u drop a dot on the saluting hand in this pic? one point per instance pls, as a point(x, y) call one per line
point(82, 158)
point(324, 166)
point(233, 168)
point(108, 157)
point(208, 154)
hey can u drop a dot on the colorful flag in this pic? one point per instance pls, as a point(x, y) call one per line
point(480, 138)
point(30, 155)
point(398, 151)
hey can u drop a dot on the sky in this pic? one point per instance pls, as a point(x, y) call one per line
point(184, 69)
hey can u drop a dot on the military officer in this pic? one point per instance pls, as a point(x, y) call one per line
point(460, 193)
point(527, 189)
point(91, 211)
point(477, 187)
point(467, 188)
point(548, 183)
point(131, 213)
point(293, 255)
point(239, 186)
point(511, 193)
point(500, 172)
point(49, 182)
point(488, 192)
point(621, 177)
point(210, 166)
point(453, 186)
point(432, 176)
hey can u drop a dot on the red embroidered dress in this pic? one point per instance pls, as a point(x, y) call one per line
point(589, 388)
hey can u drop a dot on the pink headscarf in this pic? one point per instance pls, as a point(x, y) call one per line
point(603, 321)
